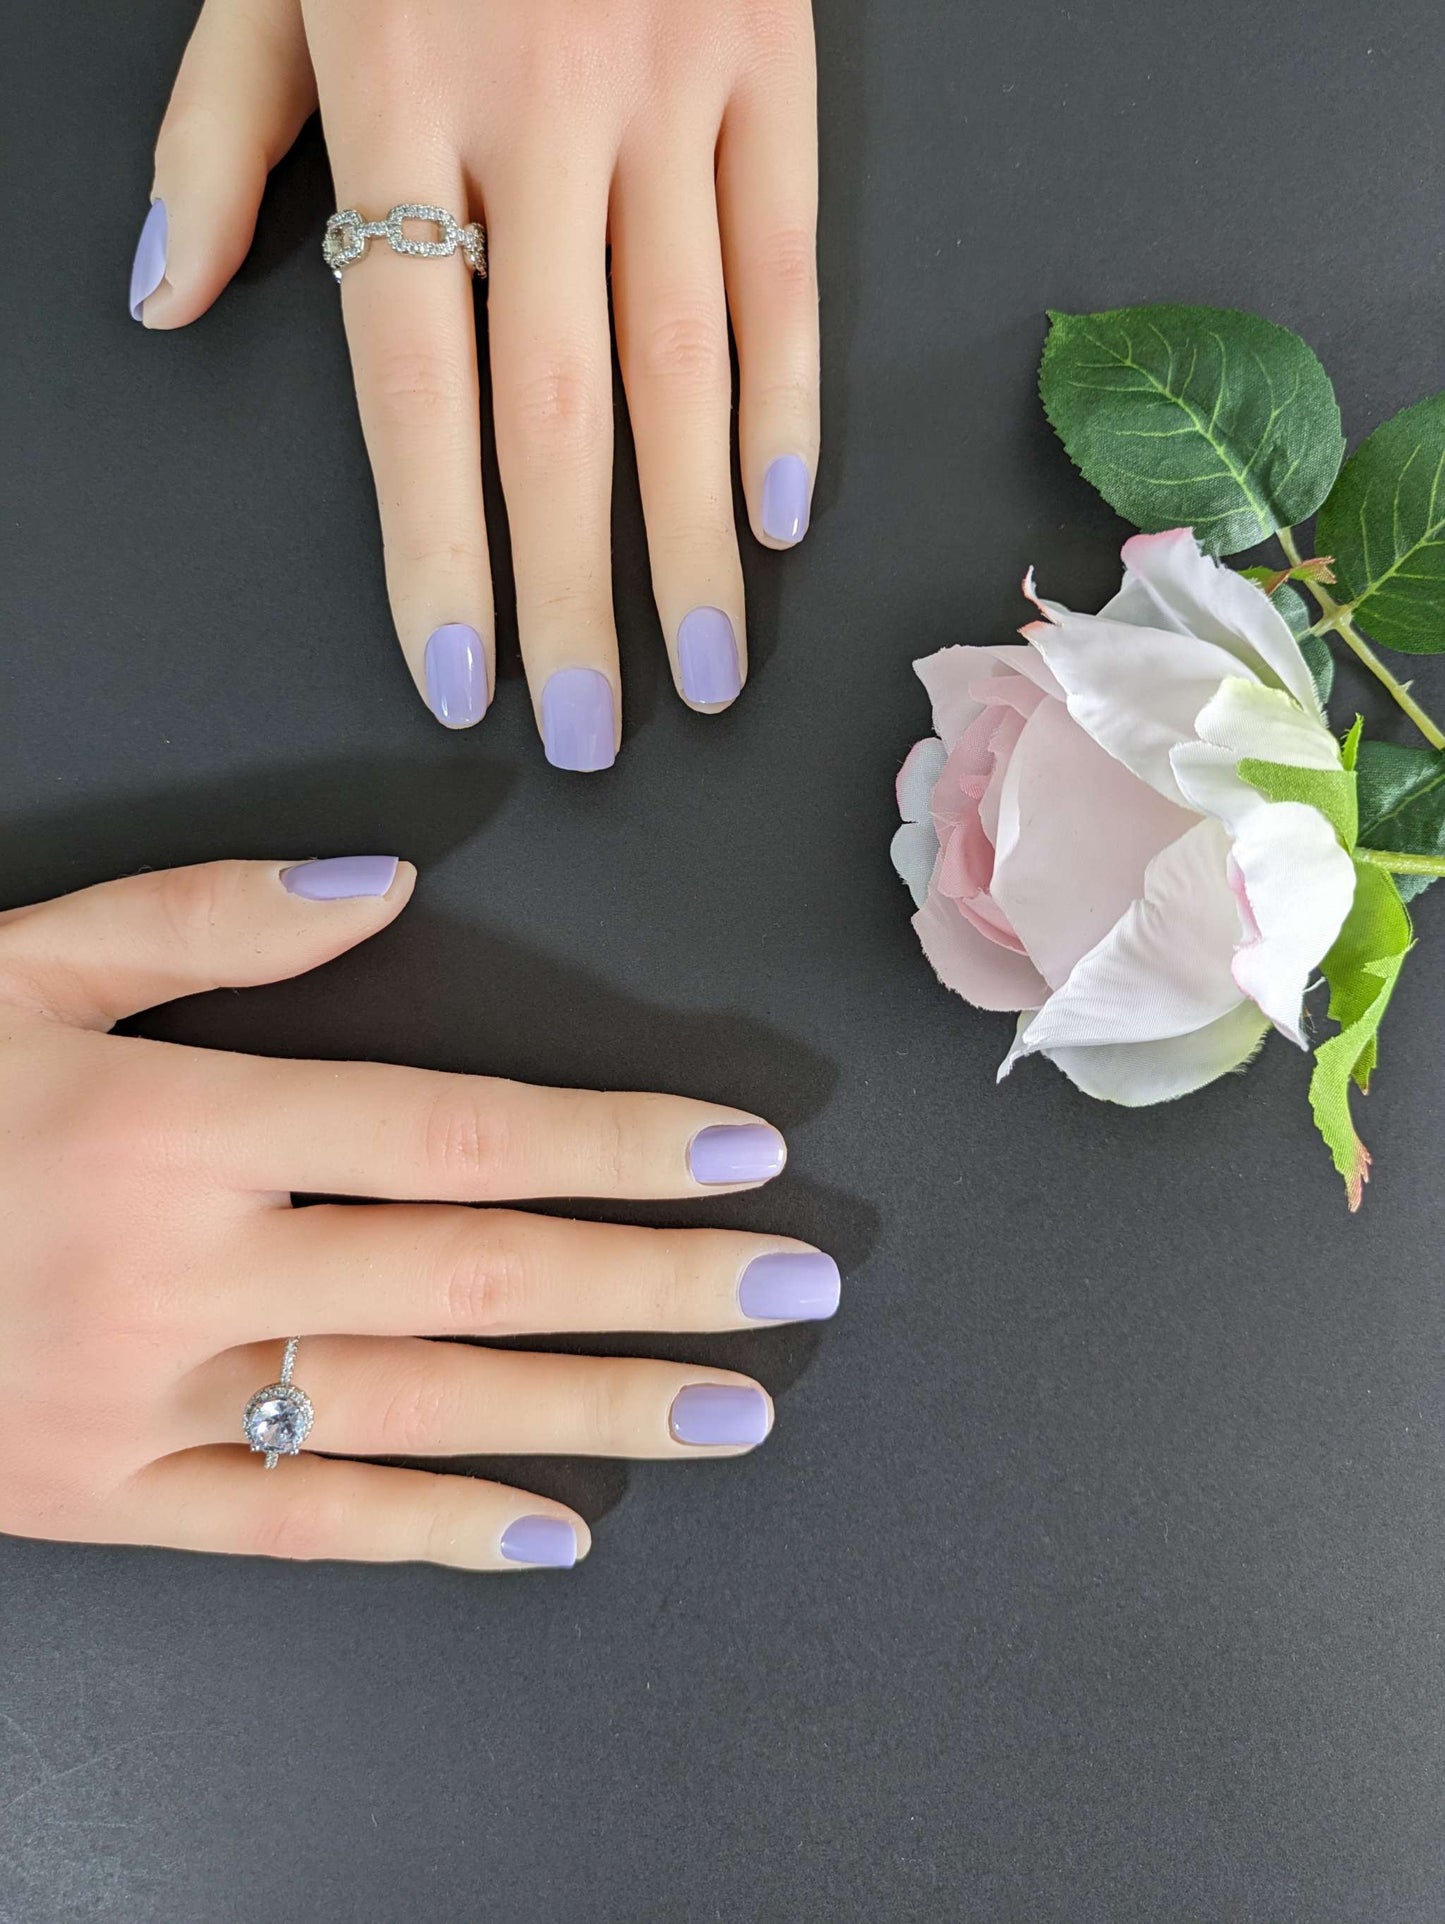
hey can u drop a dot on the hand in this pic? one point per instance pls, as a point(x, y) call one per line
point(686, 135)
point(154, 1265)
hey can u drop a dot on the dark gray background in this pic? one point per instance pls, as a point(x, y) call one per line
point(1094, 1570)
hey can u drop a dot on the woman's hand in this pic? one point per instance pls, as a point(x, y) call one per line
point(683, 133)
point(154, 1266)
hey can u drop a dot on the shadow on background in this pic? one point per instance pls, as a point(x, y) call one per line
point(426, 806)
point(295, 208)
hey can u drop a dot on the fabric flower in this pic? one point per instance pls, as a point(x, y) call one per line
point(1082, 848)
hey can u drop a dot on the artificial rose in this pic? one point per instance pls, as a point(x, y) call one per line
point(1082, 848)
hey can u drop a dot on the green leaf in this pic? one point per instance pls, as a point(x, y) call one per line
point(1402, 804)
point(1362, 969)
point(1295, 609)
point(1384, 523)
point(1330, 790)
point(1315, 649)
point(1194, 416)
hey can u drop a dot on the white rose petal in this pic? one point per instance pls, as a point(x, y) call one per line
point(1298, 884)
point(1136, 1073)
point(1136, 690)
point(1170, 583)
point(1163, 969)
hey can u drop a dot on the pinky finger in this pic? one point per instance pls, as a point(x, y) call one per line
point(222, 1500)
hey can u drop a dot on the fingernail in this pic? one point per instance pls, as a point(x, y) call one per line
point(790, 1286)
point(148, 269)
point(736, 1152)
point(719, 1413)
point(340, 878)
point(548, 1541)
point(707, 657)
point(455, 665)
point(786, 491)
point(579, 728)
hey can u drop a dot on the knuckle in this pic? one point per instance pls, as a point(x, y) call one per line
point(792, 398)
point(465, 1138)
point(419, 1410)
point(419, 546)
point(581, 604)
point(559, 407)
point(669, 1282)
point(599, 1128)
point(602, 1410)
point(685, 351)
point(704, 528)
point(191, 902)
point(788, 261)
point(303, 1527)
point(481, 1289)
point(449, 1524)
point(415, 388)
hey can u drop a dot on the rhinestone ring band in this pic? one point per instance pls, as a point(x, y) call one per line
point(278, 1418)
point(348, 236)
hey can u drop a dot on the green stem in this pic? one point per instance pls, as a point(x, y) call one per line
point(1336, 620)
point(1399, 864)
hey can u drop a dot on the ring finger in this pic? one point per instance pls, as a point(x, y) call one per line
point(410, 1397)
point(411, 330)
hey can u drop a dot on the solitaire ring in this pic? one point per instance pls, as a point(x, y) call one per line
point(348, 237)
point(278, 1418)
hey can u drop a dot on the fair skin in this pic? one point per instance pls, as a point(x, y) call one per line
point(683, 136)
point(155, 1264)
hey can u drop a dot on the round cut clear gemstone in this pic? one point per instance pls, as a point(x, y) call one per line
point(278, 1421)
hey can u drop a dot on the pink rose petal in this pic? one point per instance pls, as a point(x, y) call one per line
point(974, 965)
point(1076, 834)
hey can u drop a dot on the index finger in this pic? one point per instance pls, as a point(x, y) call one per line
point(414, 1135)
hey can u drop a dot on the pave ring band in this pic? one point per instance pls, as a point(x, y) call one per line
point(278, 1418)
point(348, 236)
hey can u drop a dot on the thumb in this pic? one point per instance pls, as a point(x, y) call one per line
point(243, 91)
point(107, 952)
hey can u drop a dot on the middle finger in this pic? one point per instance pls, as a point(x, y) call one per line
point(397, 1270)
point(552, 413)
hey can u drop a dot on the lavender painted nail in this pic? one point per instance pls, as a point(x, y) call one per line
point(148, 269)
point(550, 1542)
point(719, 1413)
point(707, 657)
point(736, 1152)
point(787, 490)
point(790, 1286)
point(341, 878)
point(579, 728)
point(456, 675)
